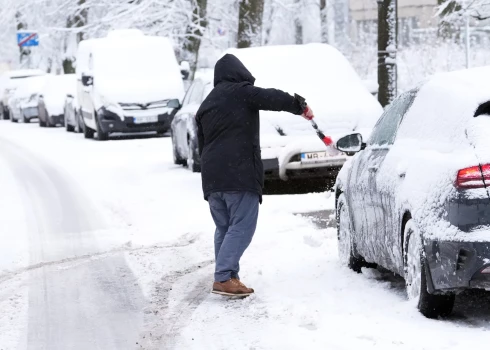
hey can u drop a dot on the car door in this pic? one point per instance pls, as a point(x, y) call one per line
point(195, 101)
point(383, 181)
point(178, 124)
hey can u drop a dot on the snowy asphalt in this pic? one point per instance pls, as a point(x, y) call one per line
point(109, 246)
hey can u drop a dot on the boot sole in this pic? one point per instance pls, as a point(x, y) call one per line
point(243, 295)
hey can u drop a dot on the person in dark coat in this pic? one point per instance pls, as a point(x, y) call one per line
point(231, 164)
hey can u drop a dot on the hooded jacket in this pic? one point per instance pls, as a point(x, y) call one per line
point(229, 128)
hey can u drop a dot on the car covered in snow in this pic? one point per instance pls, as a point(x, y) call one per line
point(73, 119)
point(23, 104)
point(9, 81)
point(415, 200)
point(52, 101)
point(290, 148)
point(128, 82)
point(184, 128)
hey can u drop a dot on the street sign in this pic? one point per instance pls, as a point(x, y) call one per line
point(27, 38)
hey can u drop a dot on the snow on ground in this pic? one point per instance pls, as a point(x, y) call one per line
point(151, 217)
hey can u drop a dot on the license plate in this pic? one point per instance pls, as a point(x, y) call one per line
point(142, 120)
point(314, 157)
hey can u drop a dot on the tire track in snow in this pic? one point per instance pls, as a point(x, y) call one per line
point(91, 306)
point(163, 321)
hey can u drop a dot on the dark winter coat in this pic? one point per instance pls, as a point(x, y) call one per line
point(229, 128)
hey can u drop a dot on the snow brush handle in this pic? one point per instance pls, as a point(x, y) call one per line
point(327, 140)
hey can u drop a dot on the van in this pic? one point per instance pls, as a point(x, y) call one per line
point(127, 82)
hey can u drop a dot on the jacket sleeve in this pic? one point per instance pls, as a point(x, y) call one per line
point(271, 100)
point(200, 135)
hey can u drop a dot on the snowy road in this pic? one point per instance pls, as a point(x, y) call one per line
point(109, 246)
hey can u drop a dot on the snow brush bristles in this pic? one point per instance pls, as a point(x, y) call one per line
point(327, 140)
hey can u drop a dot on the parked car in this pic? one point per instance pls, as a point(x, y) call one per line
point(9, 81)
point(184, 128)
point(415, 198)
point(73, 120)
point(290, 148)
point(52, 101)
point(23, 105)
point(128, 82)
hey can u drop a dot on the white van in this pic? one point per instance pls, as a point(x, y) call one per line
point(127, 82)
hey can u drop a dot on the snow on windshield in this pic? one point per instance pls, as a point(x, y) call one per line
point(323, 76)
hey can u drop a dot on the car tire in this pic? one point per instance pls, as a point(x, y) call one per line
point(178, 160)
point(68, 127)
point(2, 112)
point(24, 119)
point(347, 256)
point(429, 305)
point(87, 132)
point(193, 157)
point(101, 136)
point(78, 125)
point(12, 119)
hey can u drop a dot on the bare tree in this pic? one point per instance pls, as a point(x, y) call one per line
point(250, 22)
point(324, 20)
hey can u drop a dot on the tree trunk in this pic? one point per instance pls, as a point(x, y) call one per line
point(79, 20)
point(250, 22)
point(194, 34)
point(24, 52)
point(324, 21)
point(387, 47)
point(298, 24)
point(447, 29)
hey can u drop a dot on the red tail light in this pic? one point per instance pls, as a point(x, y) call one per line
point(474, 177)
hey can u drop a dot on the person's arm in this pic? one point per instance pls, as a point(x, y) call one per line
point(200, 135)
point(272, 100)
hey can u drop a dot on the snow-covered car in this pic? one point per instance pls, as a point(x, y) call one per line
point(73, 120)
point(9, 81)
point(23, 105)
point(416, 199)
point(128, 82)
point(183, 128)
point(52, 101)
point(290, 148)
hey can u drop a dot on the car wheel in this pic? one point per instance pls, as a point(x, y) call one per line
point(87, 132)
point(24, 119)
point(193, 157)
point(78, 126)
point(345, 239)
point(68, 127)
point(12, 119)
point(2, 112)
point(178, 160)
point(101, 136)
point(430, 305)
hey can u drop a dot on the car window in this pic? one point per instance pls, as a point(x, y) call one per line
point(385, 129)
point(187, 95)
point(196, 95)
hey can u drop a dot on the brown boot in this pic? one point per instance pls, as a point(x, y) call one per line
point(232, 287)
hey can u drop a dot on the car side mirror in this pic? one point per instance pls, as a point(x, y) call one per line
point(185, 69)
point(173, 104)
point(350, 144)
point(87, 80)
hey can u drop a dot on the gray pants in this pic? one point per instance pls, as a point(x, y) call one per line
point(235, 215)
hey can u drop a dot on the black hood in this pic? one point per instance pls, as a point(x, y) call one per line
point(231, 69)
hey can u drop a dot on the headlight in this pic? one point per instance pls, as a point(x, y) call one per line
point(112, 107)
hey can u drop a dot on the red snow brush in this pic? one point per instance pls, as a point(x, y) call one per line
point(327, 140)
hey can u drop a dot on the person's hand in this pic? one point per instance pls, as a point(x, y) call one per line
point(308, 113)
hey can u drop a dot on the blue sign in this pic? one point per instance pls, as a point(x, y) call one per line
point(26, 38)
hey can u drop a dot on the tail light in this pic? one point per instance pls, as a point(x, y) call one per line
point(474, 177)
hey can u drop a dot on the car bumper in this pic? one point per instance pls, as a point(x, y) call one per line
point(30, 112)
point(458, 265)
point(110, 123)
point(297, 170)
